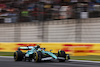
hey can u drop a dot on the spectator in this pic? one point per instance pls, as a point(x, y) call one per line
point(63, 11)
point(55, 12)
point(25, 16)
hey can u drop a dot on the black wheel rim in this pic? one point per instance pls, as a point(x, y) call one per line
point(35, 57)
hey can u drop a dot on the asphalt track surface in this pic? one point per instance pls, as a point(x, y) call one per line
point(9, 62)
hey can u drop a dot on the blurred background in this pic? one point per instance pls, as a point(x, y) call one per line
point(30, 22)
point(50, 21)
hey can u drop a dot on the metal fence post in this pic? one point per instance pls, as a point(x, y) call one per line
point(17, 32)
point(78, 28)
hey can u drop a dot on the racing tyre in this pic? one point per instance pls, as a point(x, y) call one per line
point(37, 56)
point(18, 55)
point(62, 54)
point(68, 57)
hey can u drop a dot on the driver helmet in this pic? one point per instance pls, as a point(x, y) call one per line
point(38, 45)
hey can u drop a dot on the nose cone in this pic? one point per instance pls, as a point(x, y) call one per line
point(55, 57)
point(52, 55)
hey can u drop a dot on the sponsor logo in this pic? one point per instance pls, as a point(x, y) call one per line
point(1, 48)
point(67, 47)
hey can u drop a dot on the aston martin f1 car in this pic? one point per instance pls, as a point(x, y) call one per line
point(39, 54)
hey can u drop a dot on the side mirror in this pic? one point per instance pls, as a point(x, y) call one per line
point(50, 50)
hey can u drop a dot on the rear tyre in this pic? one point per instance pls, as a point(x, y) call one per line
point(37, 56)
point(62, 54)
point(18, 55)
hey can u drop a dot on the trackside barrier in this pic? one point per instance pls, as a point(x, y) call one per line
point(79, 51)
point(74, 49)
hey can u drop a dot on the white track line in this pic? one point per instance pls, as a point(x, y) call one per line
point(69, 60)
point(86, 61)
point(6, 56)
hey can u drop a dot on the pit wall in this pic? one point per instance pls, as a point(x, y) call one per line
point(74, 49)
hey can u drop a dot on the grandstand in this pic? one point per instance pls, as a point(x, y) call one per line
point(65, 21)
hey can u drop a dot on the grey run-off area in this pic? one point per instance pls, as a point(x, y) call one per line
point(9, 62)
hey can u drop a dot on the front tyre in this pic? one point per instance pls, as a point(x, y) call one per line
point(68, 57)
point(62, 54)
point(18, 55)
point(37, 56)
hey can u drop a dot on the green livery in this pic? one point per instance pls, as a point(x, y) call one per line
point(39, 54)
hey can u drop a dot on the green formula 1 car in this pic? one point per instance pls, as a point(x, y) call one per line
point(39, 54)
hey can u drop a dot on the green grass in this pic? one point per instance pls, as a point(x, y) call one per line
point(6, 53)
point(91, 58)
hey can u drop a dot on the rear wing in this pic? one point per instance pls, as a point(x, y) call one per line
point(25, 48)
